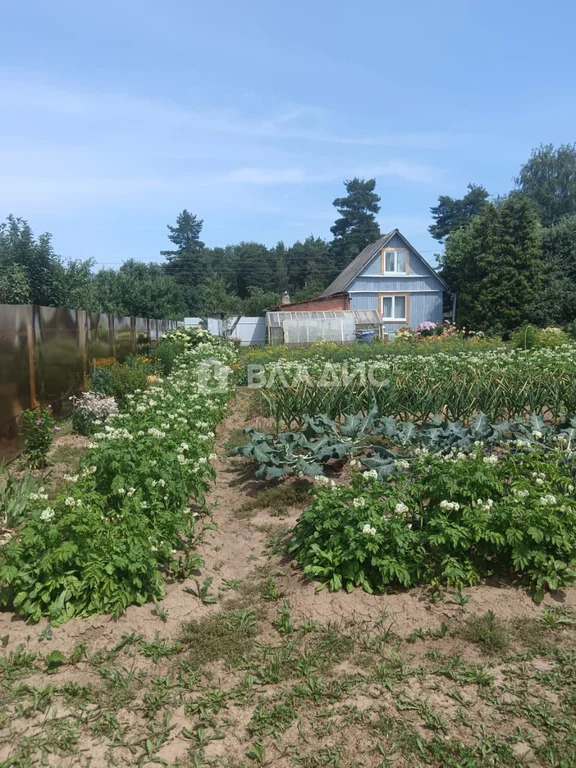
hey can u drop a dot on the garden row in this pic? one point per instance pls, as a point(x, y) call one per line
point(124, 521)
point(502, 383)
point(428, 499)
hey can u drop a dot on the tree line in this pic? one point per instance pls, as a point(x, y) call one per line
point(193, 280)
point(510, 259)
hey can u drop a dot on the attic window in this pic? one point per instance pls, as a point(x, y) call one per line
point(394, 261)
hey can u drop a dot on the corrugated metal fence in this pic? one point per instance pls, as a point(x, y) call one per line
point(46, 352)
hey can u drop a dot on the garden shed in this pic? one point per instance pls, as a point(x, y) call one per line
point(340, 326)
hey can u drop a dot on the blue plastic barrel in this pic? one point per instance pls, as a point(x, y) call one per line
point(366, 337)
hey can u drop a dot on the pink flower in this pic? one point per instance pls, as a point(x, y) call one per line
point(57, 429)
point(38, 421)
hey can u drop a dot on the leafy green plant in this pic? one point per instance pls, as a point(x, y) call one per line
point(459, 599)
point(126, 379)
point(159, 648)
point(39, 428)
point(451, 520)
point(113, 534)
point(15, 498)
point(322, 441)
point(202, 591)
point(100, 381)
point(54, 660)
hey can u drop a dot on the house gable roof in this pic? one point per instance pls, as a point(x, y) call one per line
point(356, 266)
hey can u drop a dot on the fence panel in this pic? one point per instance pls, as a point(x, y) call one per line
point(125, 344)
point(46, 352)
point(58, 355)
point(17, 379)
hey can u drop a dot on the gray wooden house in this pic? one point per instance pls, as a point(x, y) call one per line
point(390, 276)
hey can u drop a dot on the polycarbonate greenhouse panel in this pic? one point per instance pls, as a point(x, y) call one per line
point(303, 331)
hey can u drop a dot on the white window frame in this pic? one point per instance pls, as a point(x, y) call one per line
point(395, 296)
point(395, 271)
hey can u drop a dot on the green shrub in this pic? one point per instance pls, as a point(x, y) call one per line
point(164, 355)
point(39, 428)
point(530, 337)
point(451, 520)
point(128, 379)
point(100, 381)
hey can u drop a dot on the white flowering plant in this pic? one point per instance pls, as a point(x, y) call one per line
point(115, 531)
point(448, 521)
point(90, 410)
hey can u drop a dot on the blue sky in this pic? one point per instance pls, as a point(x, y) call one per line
point(116, 115)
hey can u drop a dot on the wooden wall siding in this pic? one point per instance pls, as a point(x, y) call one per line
point(418, 267)
point(408, 283)
point(423, 306)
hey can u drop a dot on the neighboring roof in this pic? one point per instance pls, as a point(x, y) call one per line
point(364, 257)
point(361, 316)
point(322, 297)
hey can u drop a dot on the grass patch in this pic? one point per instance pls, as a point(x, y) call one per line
point(237, 439)
point(278, 498)
point(226, 635)
point(68, 454)
point(486, 631)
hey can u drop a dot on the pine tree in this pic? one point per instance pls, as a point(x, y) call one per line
point(187, 264)
point(308, 262)
point(357, 226)
point(451, 214)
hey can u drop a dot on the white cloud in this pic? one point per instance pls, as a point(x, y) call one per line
point(399, 169)
point(63, 149)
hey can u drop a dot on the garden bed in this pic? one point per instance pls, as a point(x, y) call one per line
point(274, 673)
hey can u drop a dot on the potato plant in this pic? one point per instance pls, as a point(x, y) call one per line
point(449, 520)
point(101, 544)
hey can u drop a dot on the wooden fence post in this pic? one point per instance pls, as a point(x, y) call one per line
point(31, 343)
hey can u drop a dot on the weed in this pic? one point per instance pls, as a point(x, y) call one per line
point(54, 660)
point(159, 648)
point(236, 439)
point(210, 703)
point(157, 696)
point(272, 719)
point(460, 599)
point(233, 584)
point(161, 612)
point(17, 663)
point(279, 497)
point(283, 622)
point(487, 631)
point(202, 591)
point(276, 543)
point(270, 591)
point(556, 619)
point(221, 636)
